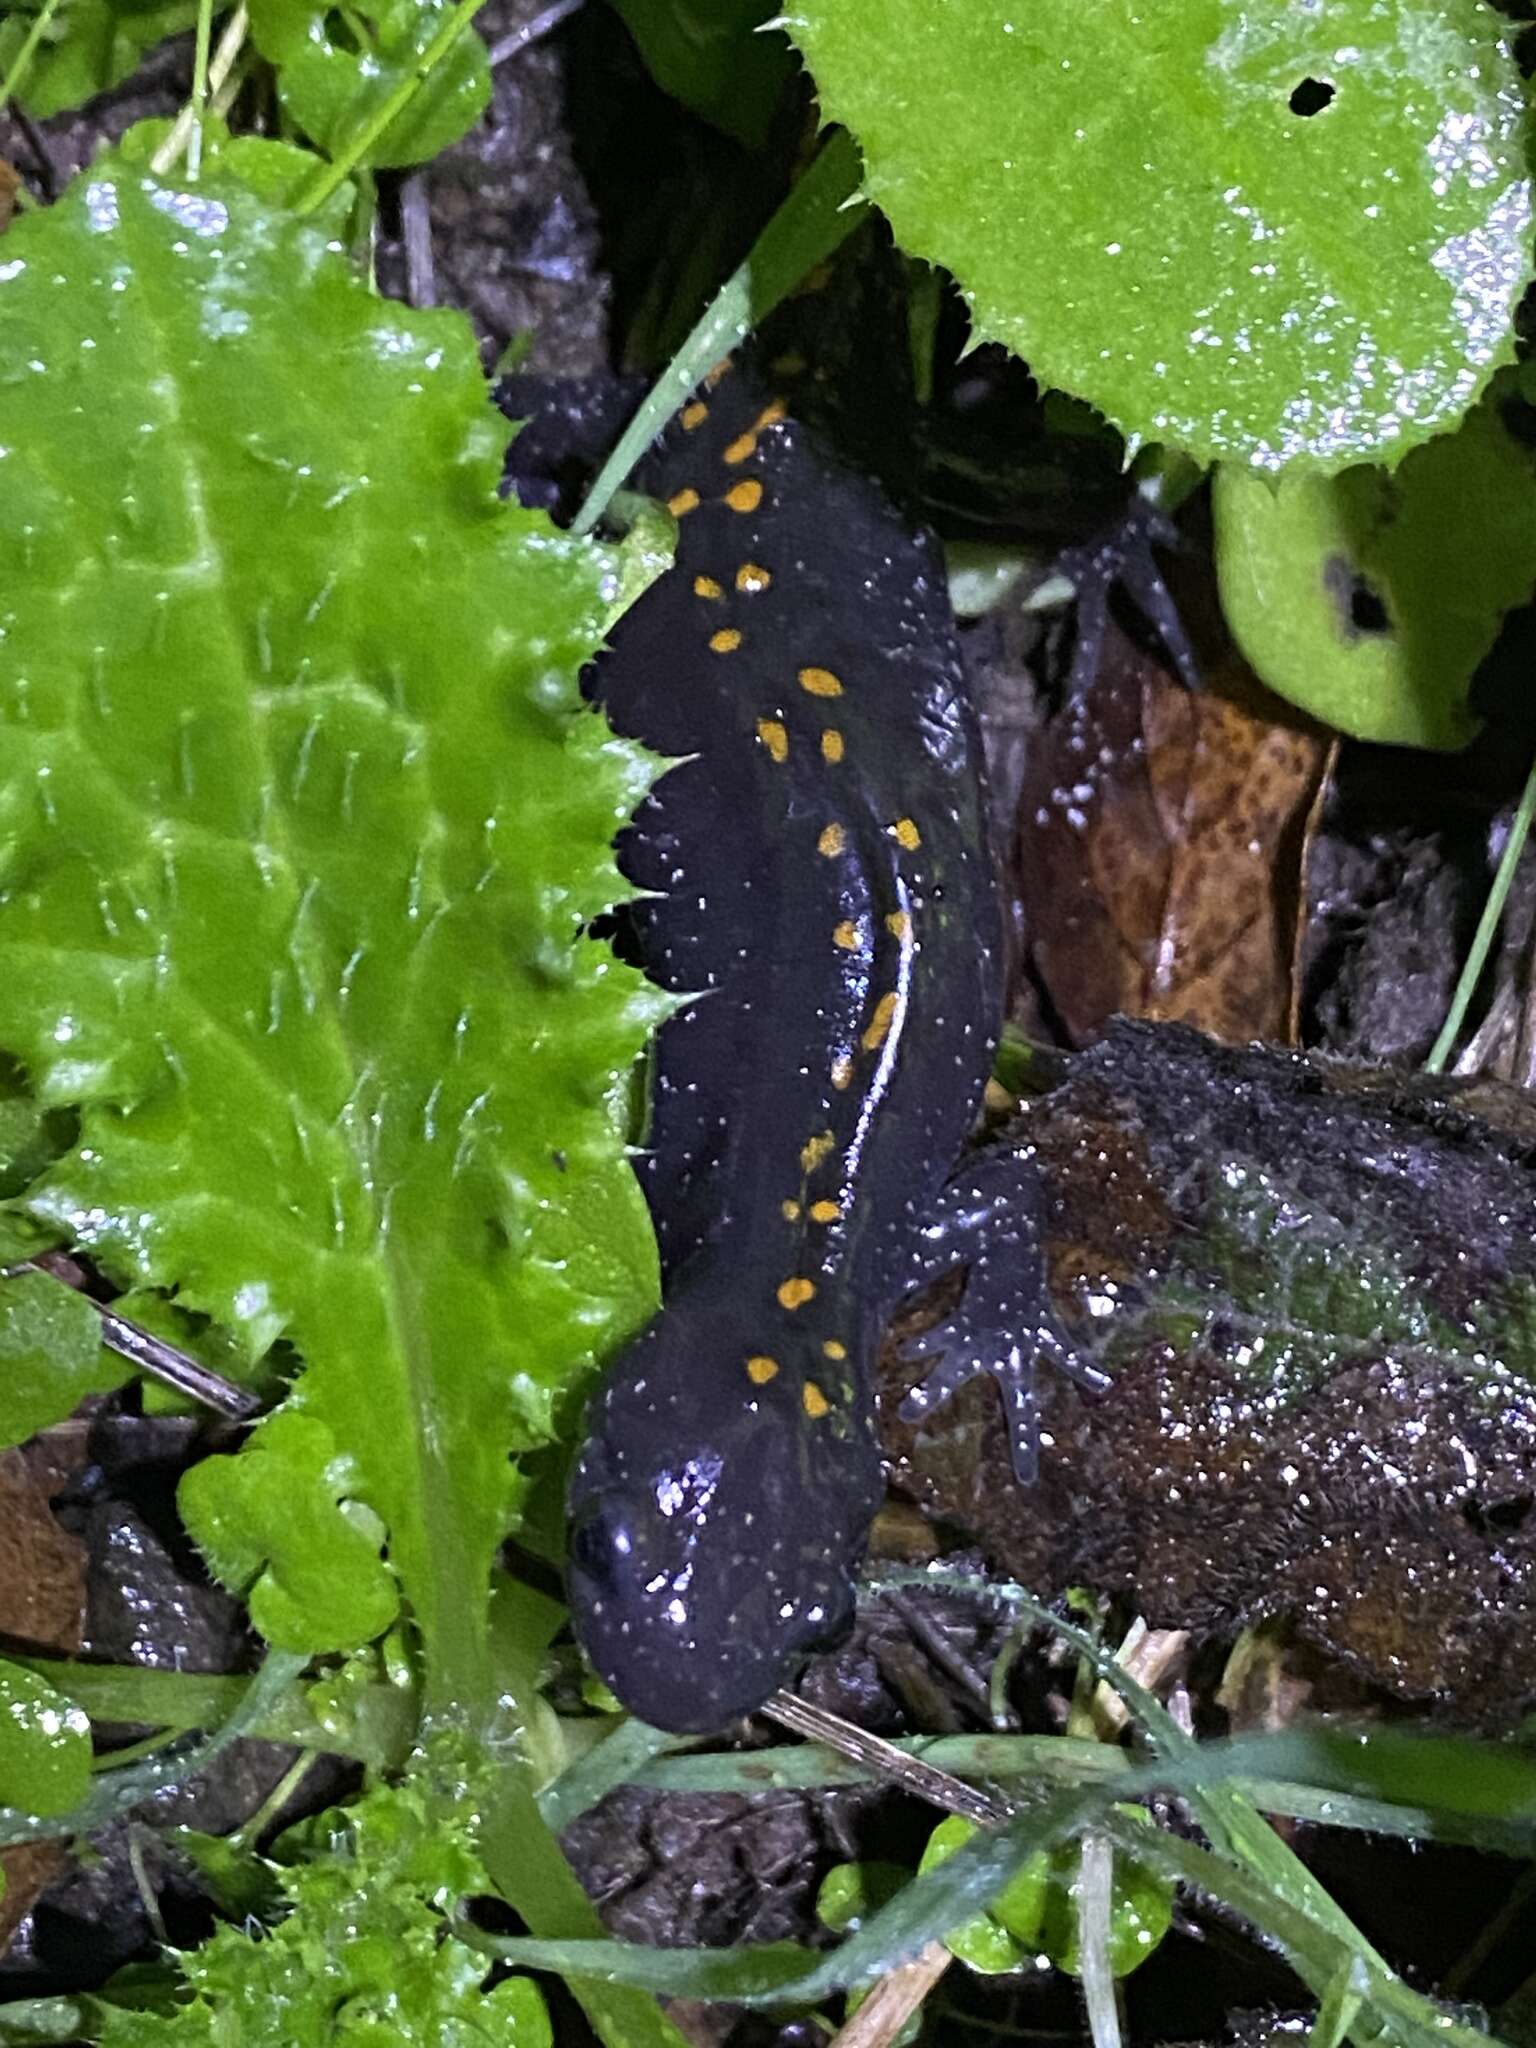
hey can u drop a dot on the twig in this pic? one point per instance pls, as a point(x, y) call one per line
point(230, 44)
point(893, 2001)
point(1488, 925)
point(921, 1779)
point(199, 99)
point(533, 31)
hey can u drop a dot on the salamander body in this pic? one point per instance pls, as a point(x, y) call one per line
point(823, 892)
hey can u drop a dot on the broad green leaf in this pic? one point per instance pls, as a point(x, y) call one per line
point(281, 1524)
point(337, 67)
point(275, 171)
point(1260, 234)
point(712, 55)
point(999, 1939)
point(50, 1356)
point(366, 1954)
point(1369, 598)
point(45, 1745)
point(87, 47)
point(303, 820)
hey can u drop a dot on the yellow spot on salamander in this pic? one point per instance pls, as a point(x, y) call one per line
point(791, 1211)
point(774, 738)
point(721, 369)
point(899, 924)
point(796, 1292)
point(695, 415)
point(842, 1074)
point(761, 1370)
point(684, 501)
point(831, 841)
point(814, 1401)
point(752, 577)
point(770, 415)
point(833, 1350)
point(820, 682)
point(726, 641)
point(906, 834)
point(878, 1028)
point(745, 496)
point(832, 745)
point(846, 935)
point(825, 1212)
point(706, 586)
point(814, 1150)
point(739, 449)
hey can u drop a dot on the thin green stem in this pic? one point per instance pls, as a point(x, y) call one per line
point(222, 63)
point(332, 175)
point(24, 55)
point(1488, 925)
point(199, 85)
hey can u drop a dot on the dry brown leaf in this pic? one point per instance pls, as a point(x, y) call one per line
point(1160, 848)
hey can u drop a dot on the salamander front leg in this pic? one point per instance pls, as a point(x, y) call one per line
point(1125, 558)
point(991, 1217)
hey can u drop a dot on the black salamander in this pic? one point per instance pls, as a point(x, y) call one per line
point(823, 888)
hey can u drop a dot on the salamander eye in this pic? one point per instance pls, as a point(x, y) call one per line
point(598, 1540)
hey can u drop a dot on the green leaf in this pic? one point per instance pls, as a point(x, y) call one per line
point(367, 1954)
point(281, 1524)
point(88, 47)
point(45, 1745)
point(1369, 599)
point(304, 819)
point(275, 171)
point(1003, 1937)
point(1140, 1909)
point(50, 1356)
point(711, 55)
point(335, 67)
point(1137, 202)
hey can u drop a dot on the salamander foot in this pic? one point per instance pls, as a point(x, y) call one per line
point(1125, 558)
point(991, 1218)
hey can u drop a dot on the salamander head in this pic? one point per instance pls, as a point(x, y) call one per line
point(717, 1517)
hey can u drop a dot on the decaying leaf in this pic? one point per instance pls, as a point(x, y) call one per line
point(1160, 843)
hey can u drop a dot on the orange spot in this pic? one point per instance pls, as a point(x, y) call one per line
point(706, 586)
point(825, 1212)
point(694, 415)
point(726, 641)
point(846, 935)
point(879, 1024)
point(906, 834)
point(774, 738)
point(797, 1292)
point(752, 577)
point(721, 369)
point(761, 1370)
point(832, 1349)
point(842, 1074)
point(739, 449)
point(814, 1150)
point(745, 496)
point(820, 682)
point(771, 414)
point(831, 841)
point(814, 1401)
point(683, 501)
point(832, 745)
point(899, 925)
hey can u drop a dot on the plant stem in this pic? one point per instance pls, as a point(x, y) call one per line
point(333, 174)
point(1488, 925)
point(199, 86)
point(231, 42)
point(24, 55)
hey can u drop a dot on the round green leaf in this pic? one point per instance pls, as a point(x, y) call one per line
point(50, 1355)
point(334, 71)
point(1140, 1912)
point(1259, 234)
point(45, 1745)
point(1002, 1938)
point(1369, 599)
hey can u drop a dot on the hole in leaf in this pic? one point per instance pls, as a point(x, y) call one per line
point(1311, 96)
point(1367, 612)
point(1361, 608)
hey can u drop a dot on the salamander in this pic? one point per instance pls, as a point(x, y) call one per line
point(822, 893)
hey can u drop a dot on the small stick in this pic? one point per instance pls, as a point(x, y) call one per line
point(894, 2000)
point(924, 1781)
point(532, 31)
